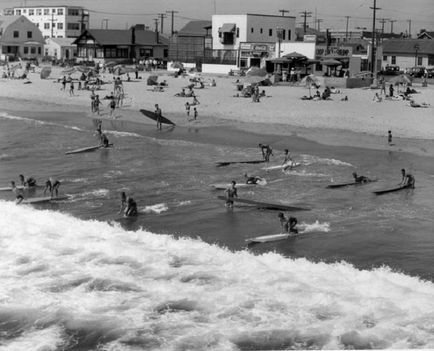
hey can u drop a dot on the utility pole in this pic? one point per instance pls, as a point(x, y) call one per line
point(156, 29)
point(391, 25)
point(382, 21)
point(305, 14)
point(409, 28)
point(283, 12)
point(173, 14)
point(346, 28)
point(373, 52)
point(318, 24)
point(162, 17)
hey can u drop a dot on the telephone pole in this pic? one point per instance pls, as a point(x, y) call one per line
point(391, 25)
point(173, 15)
point(409, 28)
point(382, 21)
point(346, 28)
point(162, 17)
point(305, 14)
point(318, 24)
point(283, 12)
point(373, 53)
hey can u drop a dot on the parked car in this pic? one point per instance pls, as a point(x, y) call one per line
point(416, 72)
point(391, 70)
point(430, 72)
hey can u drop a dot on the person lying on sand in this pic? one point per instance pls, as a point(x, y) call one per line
point(415, 104)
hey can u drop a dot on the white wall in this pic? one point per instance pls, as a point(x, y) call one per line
point(218, 69)
point(404, 61)
point(306, 49)
point(266, 23)
point(218, 21)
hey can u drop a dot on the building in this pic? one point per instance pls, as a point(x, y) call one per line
point(424, 34)
point(20, 38)
point(188, 45)
point(55, 21)
point(407, 53)
point(103, 45)
point(60, 48)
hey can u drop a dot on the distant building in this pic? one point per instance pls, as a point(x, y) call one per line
point(55, 21)
point(121, 44)
point(20, 38)
point(425, 35)
point(301, 35)
point(60, 48)
point(188, 45)
point(407, 53)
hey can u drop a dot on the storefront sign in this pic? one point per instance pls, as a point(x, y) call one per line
point(309, 38)
point(339, 51)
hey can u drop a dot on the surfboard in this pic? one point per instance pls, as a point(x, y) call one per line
point(152, 115)
point(20, 187)
point(268, 238)
point(38, 200)
point(341, 185)
point(86, 149)
point(266, 205)
point(227, 163)
point(224, 186)
point(391, 190)
point(272, 168)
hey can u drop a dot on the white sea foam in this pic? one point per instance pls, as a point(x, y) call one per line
point(122, 134)
point(157, 208)
point(314, 227)
point(310, 159)
point(65, 281)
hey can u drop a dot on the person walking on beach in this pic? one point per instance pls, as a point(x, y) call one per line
point(391, 90)
point(187, 108)
point(383, 87)
point(267, 151)
point(112, 105)
point(63, 83)
point(195, 113)
point(104, 140)
point(158, 115)
point(231, 193)
point(71, 88)
point(97, 102)
point(389, 137)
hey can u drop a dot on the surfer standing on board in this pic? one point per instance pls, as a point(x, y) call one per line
point(407, 179)
point(18, 193)
point(231, 192)
point(52, 185)
point(267, 151)
point(158, 115)
point(104, 140)
point(288, 161)
point(131, 207)
point(288, 224)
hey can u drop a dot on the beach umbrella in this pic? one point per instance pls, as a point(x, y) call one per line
point(401, 79)
point(177, 65)
point(84, 69)
point(152, 80)
point(295, 56)
point(111, 64)
point(331, 62)
point(253, 79)
point(119, 70)
point(256, 72)
point(45, 72)
point(68, 71)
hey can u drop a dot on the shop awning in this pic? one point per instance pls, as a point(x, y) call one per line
point(228, 28)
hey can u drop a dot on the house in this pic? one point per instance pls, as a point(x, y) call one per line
point(425, 35)
point(408, 53)
point(20, 38)
point(55, 21)
point(60, 48)
point(121, 44)
point(188, 45)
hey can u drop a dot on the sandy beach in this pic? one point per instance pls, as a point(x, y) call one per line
point(357, 122)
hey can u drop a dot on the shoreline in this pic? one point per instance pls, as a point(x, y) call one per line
point(322, 136)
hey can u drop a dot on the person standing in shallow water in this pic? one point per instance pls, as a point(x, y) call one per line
point(158, 115)
point(389, 137)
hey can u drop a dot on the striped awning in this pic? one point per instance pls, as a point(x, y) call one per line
point(228, 28)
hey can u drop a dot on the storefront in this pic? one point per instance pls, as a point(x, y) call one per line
point(255, 54)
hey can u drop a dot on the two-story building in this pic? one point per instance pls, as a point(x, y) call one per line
point(20, 38)
point(62, 21)
point(250, 39)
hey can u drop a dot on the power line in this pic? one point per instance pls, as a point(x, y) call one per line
point(391, 25)
point(162, 17)
point(305, 14)
point(283, 12)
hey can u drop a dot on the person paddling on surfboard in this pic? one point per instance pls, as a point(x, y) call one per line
point(288, 224)
point(231, 192)
point(158, 114)
point(27, 183)
point(267, 151)
point(252, 179)
point(407, 179)
point(104, 140)
point(360, 179)
point(131, 207)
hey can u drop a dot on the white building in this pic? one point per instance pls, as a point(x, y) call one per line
point(55, 21)
point(253, 36)
point(60, 48)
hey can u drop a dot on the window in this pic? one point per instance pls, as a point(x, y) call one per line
point(73, 12)
point(60, 12)
point(59, 25)
point(261, 30)
point(430, 60)
point(166, 53)
point(283, 34)
point(24, 10)
point(46, 25)
point(29, 35)
point(16, 34)
point(31, 12)
point(393, 60)
point(146, 52)
point(18, 12)
point(46, 12)
point(220, 33)
point(33, 50)
point(39, 50)
point(270, 32)
point(289, 34)
point(38, 12)
point(37, 24)
point(73, 26)
point(251, 30)
point(53, 11)
point(26, 50)
point(238, 32)
point(384, 57)
point(419, 61)
point(46, 52)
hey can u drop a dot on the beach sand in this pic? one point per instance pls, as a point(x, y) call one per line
point(357, 122)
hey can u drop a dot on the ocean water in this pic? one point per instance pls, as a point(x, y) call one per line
point(76, 276)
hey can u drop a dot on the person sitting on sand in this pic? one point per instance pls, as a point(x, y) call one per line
point(415, 104)
point(345, 98)
point(377, 98)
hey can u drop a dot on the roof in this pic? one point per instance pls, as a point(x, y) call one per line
point(407, 46)
point(366, 34)
point(228, 27)
point(63, 41)
point(299, 32)
point(426, 34)
point(195, 28)
point(50, 6)
point(123, 37)
point(5, 21)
